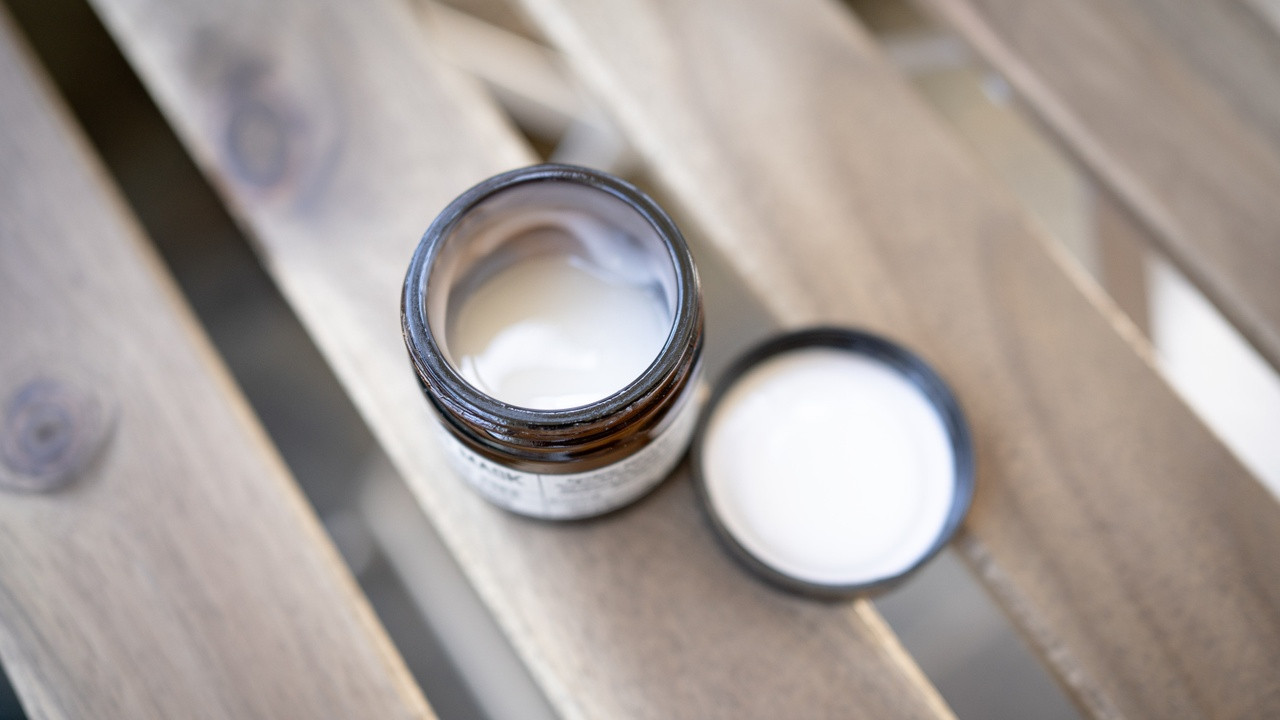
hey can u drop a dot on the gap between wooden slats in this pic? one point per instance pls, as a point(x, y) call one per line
point(335, 138)
point(1129, 544)
point(1175, 105)
point(179, 572)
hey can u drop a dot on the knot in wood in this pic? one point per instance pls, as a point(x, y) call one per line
point(281, 127)
point(51, 431)
point(258, 137)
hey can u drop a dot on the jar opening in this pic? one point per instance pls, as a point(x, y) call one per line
point(552, 295)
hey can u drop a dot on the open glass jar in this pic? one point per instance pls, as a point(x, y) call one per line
point(554, 318)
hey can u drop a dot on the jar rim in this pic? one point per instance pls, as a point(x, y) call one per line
point(451, 391)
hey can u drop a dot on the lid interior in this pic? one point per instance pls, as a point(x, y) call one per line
point(833, 461)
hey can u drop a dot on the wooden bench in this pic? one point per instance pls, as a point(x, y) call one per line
point(178, 574)
point(156, 559)
point(1175, 107)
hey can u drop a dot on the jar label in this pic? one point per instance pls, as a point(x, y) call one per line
point(576, 495)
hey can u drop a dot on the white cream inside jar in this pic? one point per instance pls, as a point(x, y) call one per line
point(565, 326)
point(553, 316)
point(551, 296)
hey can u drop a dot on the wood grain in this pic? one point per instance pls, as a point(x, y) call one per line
point(1122, 246)
point(1133, 550)
point(336, 136)
point(1175, 106)
point(177, 572)
point(1268, 10)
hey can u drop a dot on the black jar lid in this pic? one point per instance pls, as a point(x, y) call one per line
point(833, 462)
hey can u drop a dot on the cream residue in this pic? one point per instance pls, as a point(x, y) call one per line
point(555, 331)
point(830, 467)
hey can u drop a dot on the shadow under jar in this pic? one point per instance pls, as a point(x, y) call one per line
point(554, 317)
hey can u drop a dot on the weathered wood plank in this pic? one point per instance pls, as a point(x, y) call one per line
point(180, 573)
point(336, 137)
point(1122, 247)
point(1173, 104)
point(1268, 10)
point(1126, 541)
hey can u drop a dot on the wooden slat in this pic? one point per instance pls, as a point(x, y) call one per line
point(180, 573)
point(1269, 10)
point(1131, 547)
point(1122, 247)
point(1175, 105)
point(336, 137)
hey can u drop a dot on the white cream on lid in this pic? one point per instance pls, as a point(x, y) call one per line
point(829, 466)
point(560, 330)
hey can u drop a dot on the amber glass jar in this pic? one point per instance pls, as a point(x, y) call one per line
point(552, 461)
